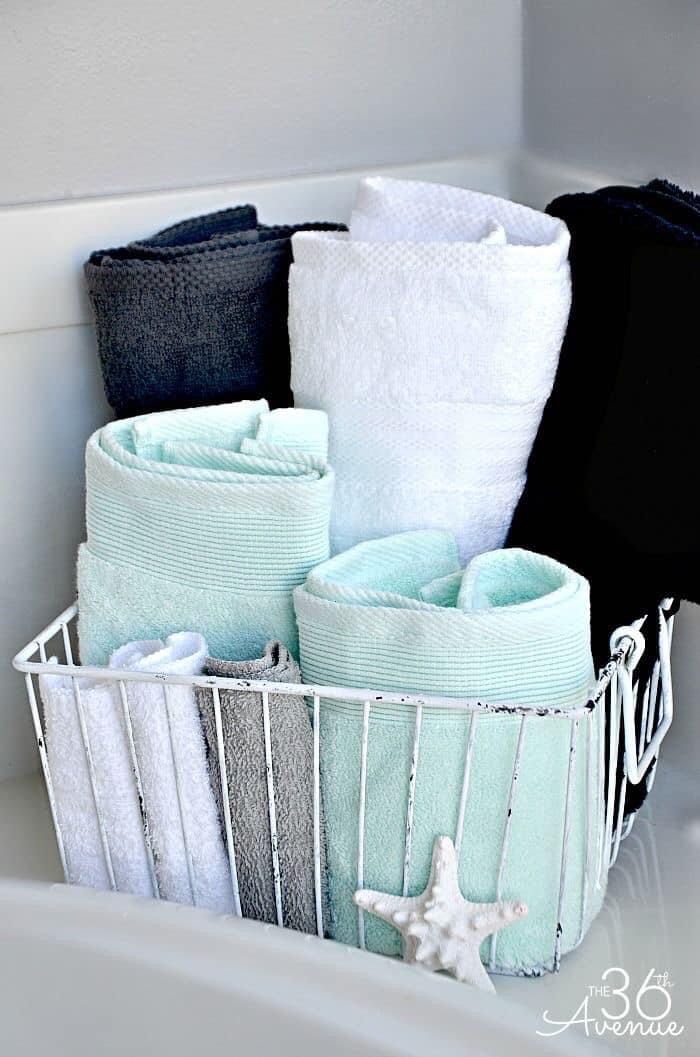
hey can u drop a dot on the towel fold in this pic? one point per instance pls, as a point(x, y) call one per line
point(614, 444)
point(430, 334)
point(513, 628)
point(197, 314)
point(185, 529)
point(178, 805)
point(291, 742)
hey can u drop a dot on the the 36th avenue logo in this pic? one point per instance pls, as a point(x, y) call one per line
point(620, 1012)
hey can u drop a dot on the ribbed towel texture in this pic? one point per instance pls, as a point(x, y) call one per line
point(189, 525)
point(399, 614)
point(170, 752)
point(430, 334)
point(291, 742)
point(610, 471)
point(195, 315)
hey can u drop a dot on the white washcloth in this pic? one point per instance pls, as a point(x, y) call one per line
point(116, 789)
point(181, 654)
point(430, 333)
point(207, 880)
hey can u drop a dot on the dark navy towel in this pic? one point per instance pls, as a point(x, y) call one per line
point(195, 315)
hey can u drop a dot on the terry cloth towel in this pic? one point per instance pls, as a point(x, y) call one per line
point(190, 859)
point(430, 334)
point(116, 788)
point(183, 654)
point(189, 526)
point(195, 315)
point(608, 478)
point(291, 741)
point(616, 436)
point(399, 614)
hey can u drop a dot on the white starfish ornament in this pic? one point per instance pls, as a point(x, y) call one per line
point(442, 929)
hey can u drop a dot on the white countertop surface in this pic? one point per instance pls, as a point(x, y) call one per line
point(650, 920)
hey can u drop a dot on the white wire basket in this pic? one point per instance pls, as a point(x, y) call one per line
point(623, 725)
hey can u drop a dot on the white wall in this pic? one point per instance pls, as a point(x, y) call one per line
point(612, 86)
point(106, 96)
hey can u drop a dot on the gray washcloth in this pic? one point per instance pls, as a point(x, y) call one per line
point(291, 739)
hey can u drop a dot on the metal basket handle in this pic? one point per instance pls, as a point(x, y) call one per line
point(637, 765)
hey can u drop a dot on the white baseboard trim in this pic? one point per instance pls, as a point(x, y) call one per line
point(47, 243)
point(536, 179)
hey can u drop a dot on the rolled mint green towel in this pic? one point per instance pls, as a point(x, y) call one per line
point(190, 526)
point(291, 743)
point(399, 614)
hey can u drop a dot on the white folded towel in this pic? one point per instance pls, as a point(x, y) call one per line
point(165, 766)
point(430, 333)
point(181, 654)
point(116, 789)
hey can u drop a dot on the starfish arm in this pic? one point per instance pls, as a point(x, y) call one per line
point(392, 909)
point(444, 876)
point(469, 970)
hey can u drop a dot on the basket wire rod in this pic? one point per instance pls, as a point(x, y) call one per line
point(603, 719)
point(66, 643)
point(658, 705)
point(639, 762)
point(411, 800)
point(126, 712)
point(654, 685)
point(590, 747)
point(45, 635)
point(92, 774)
point(628, 823)
point(653, 700)
point(223, 778)
point(361, 820)
point(507, 828)
point(468, 753)
point(664, 644)
point(648, 708)
point(651, 778)
point(272, 811)
point(566, 841)
point(622, 826)
point(179, 796)
point(44, 759)
point(317, 816)
point(620, 830)
point(613, 741)
point(303, 690)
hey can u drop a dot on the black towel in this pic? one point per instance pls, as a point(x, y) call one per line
point(195, 315)
point(610, 478)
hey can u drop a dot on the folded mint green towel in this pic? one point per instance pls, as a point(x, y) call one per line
point(399, 614)
point(189, 525)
